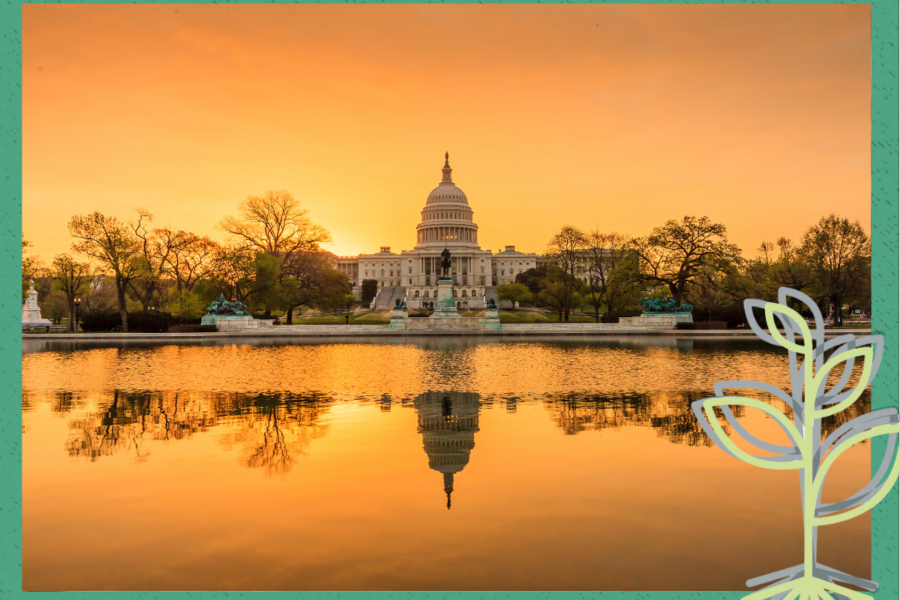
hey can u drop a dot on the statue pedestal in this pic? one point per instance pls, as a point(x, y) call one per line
point(445, 306)
point(399, 317)
point(491, 320)
point(230, 322)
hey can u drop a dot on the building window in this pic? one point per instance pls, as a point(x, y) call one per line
point(426, 293)
point(410, 282)
point(416, 294)
point(410, 270)
point(382, 272)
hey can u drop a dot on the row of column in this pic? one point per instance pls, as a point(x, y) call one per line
point(438, 234)
point(460, 265)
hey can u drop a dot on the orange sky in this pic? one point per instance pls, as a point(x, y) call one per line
point(622, 116)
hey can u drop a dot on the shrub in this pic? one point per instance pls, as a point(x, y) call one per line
point(101, 321)
point(614, 317)
point(191, 328)
point(138, 322)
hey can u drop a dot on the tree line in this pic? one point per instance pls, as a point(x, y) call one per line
point(692, 261)
point(270, 258)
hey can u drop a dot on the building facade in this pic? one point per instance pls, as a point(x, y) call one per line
point(447, 221)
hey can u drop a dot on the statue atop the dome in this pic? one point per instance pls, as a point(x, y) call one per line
point(445, 263)
point(446, 159)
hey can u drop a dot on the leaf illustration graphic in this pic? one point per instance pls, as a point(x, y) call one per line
point(848, 398)
point(788, 457)
point(792, 322)
point(843, 343)
point(881, 422)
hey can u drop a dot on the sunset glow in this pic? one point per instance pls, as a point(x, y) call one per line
point(618, 117)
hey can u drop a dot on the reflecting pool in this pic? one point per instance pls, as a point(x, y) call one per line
point(406, 464)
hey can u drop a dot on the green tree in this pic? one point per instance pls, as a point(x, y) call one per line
point(673, 254)
point(558, 291)
point(312, 280)
point(369, 291)
point(71, 278)
point(839, 254)
point(349, 301)
point(268, 282)
point(623, 286)
point(533, 279)
point(55, 307)
point(513, 292)
point(112, 245)
point(183, 304)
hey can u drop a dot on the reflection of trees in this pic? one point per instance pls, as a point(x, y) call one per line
point(273, 428)
point(274, 431)
point(668, 413)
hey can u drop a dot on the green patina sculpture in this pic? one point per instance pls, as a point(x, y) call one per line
point(227, 307)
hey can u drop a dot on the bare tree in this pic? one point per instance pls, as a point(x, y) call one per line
point(839, 254)
point(152, 260)
point(275, 224)
point(114, 246)
point(186, 257)
point(31, 266)
point(566, 250)
point(605, 252)
point(673, 254)
point(235, 270)
point(71, 277)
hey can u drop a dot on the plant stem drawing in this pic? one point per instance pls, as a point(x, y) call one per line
point(806, 452)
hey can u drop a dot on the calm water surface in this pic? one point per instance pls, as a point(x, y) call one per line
point(414, 464)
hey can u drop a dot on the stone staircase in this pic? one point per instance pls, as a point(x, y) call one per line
point(387, 297)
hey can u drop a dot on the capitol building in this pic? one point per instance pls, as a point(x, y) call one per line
point(447, 222)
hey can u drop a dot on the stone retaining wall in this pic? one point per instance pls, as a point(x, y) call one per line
point(583, 327)
point(509, 329)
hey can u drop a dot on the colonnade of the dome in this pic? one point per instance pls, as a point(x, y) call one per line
point(447, 233)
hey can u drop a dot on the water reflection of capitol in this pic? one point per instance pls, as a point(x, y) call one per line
point(448, 422)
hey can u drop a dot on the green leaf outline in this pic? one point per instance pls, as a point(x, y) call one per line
point(833, 456)
point(796, 439)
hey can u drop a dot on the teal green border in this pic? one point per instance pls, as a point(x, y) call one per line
point(885, 232)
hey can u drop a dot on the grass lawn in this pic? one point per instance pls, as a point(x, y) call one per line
point(532, 316)
point(380, 317)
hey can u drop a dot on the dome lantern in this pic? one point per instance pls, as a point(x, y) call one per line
point(447, 170)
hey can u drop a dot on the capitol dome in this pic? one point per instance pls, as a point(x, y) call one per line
point(447, 191)
point(447, 216)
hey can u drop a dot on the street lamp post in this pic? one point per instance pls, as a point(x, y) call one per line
point(77, 304)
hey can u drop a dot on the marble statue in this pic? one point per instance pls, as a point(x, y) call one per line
point(31, 312)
